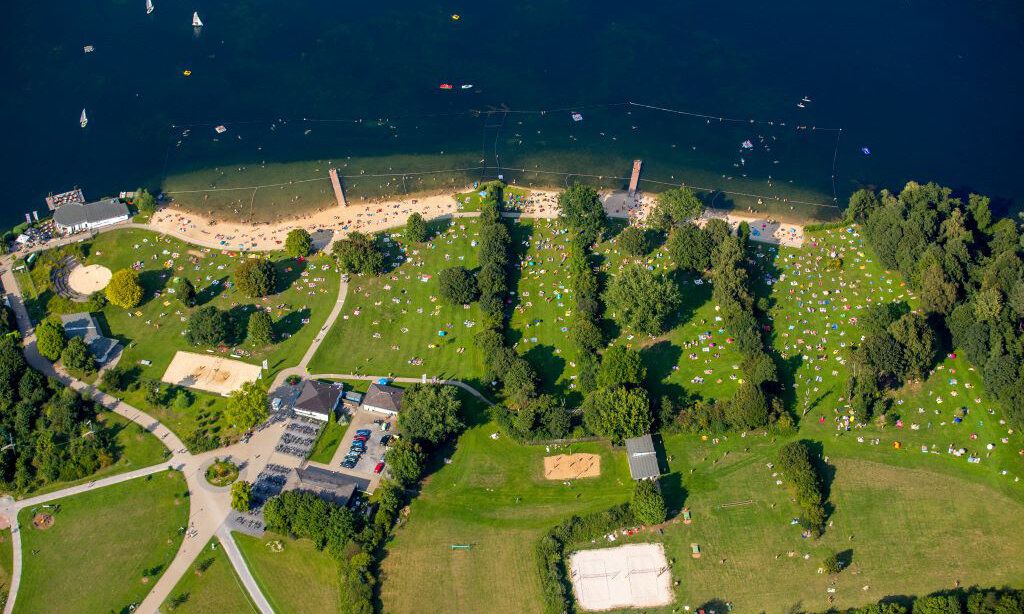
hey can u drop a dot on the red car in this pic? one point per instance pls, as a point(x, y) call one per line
point(379, 467)
point(361, 438)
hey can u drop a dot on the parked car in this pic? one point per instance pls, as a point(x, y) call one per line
point(349, 464)
point(379, 467)
point(359, 444)
point(384, 439)
point(361, 438)
point(385, 426)
point(364, 432)
point(276, 403)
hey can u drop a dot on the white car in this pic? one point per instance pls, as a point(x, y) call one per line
point(276, 404)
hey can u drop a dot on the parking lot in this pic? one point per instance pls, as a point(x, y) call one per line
point(299, 436)
point(269, 483)
point(362, 419)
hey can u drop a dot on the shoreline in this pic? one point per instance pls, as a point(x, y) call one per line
point(327, 225)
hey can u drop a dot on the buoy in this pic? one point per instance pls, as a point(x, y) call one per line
point(186, 72)
point(456, 17)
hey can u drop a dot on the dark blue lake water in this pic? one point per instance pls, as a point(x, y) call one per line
point(931, 89)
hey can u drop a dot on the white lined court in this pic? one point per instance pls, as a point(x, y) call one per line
point(630, 576)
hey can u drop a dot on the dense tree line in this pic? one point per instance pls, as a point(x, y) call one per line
point(966, 267)
point(961, 601)
point(796, 463)
point(304, 514)
point(49, 432)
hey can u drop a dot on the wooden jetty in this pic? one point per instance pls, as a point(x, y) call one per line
point(635, 177)
point(339, 194)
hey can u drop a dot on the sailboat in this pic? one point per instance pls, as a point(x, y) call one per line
point(149, 7)
point(196, 22)
point(83, 119)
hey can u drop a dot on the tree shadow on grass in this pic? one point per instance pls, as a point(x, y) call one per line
point(548, 366)
point(291, 324)
point(238, 323)
point(211, 291)
point(153, 281)
point(674, 491)
point(288, 271)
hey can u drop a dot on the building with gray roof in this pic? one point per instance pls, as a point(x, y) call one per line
point(643, 459)
point(85, 327)
point(78, 217)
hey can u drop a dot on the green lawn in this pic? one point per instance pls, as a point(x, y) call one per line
point(390, 324)
point(212, 586)
point(327, 442)
point(494, 496)
point(154, 331)
point(107, 547)
point(297, 579)
point(6, 563)
point(137, 448)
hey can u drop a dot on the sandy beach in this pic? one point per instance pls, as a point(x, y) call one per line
point(334, 223)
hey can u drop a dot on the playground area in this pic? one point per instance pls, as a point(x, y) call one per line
point(631, 576)
point(210, 373)
point(572, 466)
point(88, 279)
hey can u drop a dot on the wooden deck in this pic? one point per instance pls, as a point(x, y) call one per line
point(339, 194)
point(634, 179)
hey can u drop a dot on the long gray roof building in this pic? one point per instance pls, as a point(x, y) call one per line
point(643, 459)
point(74, 217)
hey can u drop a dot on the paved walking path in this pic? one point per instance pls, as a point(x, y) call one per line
point(406, 380)
point(235, 555)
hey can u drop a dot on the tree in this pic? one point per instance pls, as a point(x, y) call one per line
point(632, 241)
point(937, 604)
point(430, 413)
point(748, 408)
point(124, 289)
point(862, 204)
point(256, 277)
point(831, 564)
point(647, 504)
point(405, 460)
point(260, 330)
point(621, 366)
point(207, 326)
point(76, 356)
point(937, 294)
point(920, 345)
point(642, 300)
point(359, 253)
point(186, 292)
point(241, 496)
point(247, 406)
point(457, 285)
point(675, 207)
point(298, 243)
point(690, 247)
point(50, 339)
point(144, 201)
point(617, 413)
point(416, 228)
point(580, 209)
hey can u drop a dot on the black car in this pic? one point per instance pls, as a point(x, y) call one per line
point(384, 439)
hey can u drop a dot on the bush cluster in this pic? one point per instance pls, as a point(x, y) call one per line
point(802, 479)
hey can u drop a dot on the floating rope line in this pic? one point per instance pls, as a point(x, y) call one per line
point(728, 119)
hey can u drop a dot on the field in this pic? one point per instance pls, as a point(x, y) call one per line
point(327, 442)
point(494, 497)
point(138, 448)
point(154, 331)
point(390, 324)
point(107, 547)
point(214, 589)
point(6, 562)
point(297, 579)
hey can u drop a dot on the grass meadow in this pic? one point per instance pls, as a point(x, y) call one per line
point(297, 579)
point(213, 586)
point(106, 548)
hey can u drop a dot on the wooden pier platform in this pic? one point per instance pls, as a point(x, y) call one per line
point(339, 194)
point(634, 179)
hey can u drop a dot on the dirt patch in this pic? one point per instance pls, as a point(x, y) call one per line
point(42, 521)
point(88, 279)
point(572, 466)
point(210, 373)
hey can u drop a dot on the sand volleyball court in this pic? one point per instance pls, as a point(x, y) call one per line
point(209, 372)
point(572, 466)
point(632, 576)
point(88, 279)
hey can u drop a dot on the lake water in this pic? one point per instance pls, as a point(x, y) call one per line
point(932, 89)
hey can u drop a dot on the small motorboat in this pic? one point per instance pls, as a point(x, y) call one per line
point(865, 151)
point(196, 22)
point(747, 144)
point(149, 7)
point(456, 17)
point(466, 86)
point(187, 72)
point(445, 86)
point(801, 105)
point(83, 120)
point(88, 49)
point(220, 129)
point(577, 117)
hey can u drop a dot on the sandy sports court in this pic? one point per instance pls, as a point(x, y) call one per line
point(631, 576)
point(572, 466)
point(209, 372)
point(88, 279)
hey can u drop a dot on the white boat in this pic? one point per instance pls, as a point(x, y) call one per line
point(83, 119)
point(149, 6)
point(466, 86)
point(196, 22)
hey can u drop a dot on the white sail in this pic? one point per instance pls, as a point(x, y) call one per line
point(83, 119)
point(196, 22)
point(149, 6)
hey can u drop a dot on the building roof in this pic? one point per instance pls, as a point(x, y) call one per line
point(643, 460)
point(75, 214)
point(355, 397)
point(84, 326)
point(384, 397)
point(319, 397)
point(337, 486)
